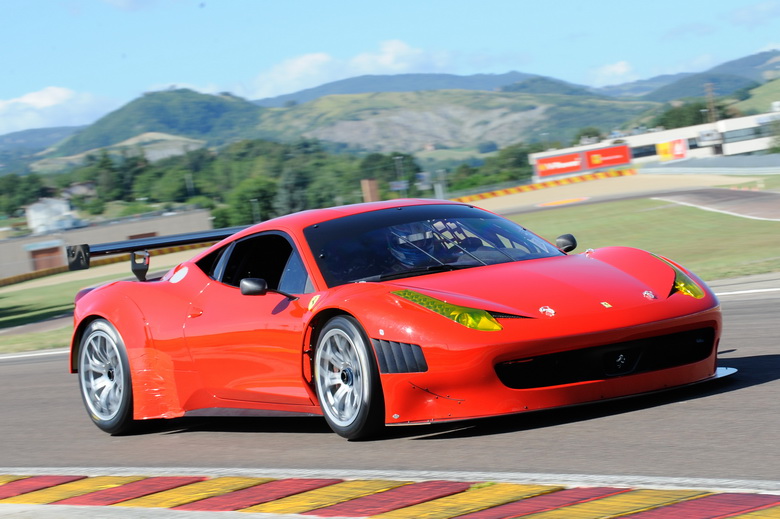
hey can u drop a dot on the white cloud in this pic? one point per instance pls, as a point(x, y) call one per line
point(612, 74)
point(394, 57)
point(50, 107)
point(311, 70)
point(756, 14)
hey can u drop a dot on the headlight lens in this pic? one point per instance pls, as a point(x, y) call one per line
point(469, 317)
point(683, 282)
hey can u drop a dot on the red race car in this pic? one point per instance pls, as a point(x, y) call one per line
point(396, 312)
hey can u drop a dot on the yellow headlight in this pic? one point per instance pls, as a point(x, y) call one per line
point(683, 282)
point(469, 317)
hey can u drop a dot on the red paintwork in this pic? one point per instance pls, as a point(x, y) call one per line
point(196, 344)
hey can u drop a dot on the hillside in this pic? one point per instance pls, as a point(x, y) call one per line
point(761, 98)
point(696, 86)
point(216, 119)
point(764, 66)
point(541, 85)
point(156, 146)
point(641, 87)
point(414, 121)
point(397, 83)
point(410, 113)
point(18, 148)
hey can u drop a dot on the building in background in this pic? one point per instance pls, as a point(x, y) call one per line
point(729, 137)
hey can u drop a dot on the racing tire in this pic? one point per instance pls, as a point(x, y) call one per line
point(347, 380)
point(104, 378)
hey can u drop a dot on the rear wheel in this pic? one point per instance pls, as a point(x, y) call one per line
point(347, 380)
point(104, 378)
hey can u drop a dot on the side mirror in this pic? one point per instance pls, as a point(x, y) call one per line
point(259, 287)
point(566, 242)
point(253, 287)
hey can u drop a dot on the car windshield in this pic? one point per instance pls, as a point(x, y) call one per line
point(409, 241)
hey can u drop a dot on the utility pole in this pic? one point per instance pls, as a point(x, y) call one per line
point(713, 116)
point(399, 170)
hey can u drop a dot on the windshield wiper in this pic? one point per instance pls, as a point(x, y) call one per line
point(444, 267)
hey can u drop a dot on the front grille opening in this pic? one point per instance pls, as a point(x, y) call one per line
point(612, 360)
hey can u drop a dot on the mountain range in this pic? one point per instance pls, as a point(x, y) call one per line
point(435, 116)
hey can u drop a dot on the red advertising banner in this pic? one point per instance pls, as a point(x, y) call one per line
point(559, 164)
point(608, 157)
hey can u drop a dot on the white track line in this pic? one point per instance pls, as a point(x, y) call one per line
point(704, 208)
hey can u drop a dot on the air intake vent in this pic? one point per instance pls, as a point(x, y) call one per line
point(399, 357)
point(499, 315)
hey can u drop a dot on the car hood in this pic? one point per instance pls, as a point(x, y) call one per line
point(618, 277)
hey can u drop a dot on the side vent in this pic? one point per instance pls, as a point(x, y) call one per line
point(399, 357)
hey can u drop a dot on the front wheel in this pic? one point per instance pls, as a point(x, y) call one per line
point(104, 378)
point(347, 381)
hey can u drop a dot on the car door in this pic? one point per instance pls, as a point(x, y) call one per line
point(249, 347)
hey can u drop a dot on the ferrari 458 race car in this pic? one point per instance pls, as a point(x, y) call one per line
point(396, 312)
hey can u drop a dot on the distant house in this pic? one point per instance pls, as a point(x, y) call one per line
point(82, 189)
point(51, 214)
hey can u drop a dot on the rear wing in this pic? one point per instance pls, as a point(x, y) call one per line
point(79, 256)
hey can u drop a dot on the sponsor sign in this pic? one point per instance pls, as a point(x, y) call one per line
point(672, 150)
point(559, 164)
point(608, 157)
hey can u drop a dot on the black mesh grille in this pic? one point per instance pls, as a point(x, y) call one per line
point(612, 360)
point(399, 357)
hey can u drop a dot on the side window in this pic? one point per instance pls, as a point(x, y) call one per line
point(213, 264)
point(295, 279)
point(267, 256)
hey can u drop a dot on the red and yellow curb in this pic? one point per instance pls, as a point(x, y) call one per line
point(544, 185)
point(379, 498)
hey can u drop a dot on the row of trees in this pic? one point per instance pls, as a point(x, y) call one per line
point(19, 191)
point(251, 180)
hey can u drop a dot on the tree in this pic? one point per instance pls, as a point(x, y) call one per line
point(689, 114)
point(291, 191)
point(107, 185)
point(252, 201)
point(589, 132)
point(775, 147)
point(131, 166)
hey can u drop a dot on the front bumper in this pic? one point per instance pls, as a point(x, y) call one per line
point(464, 381)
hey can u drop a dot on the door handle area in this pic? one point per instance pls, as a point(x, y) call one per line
point(195, 312)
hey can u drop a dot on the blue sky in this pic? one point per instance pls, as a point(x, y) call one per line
point(69, 62)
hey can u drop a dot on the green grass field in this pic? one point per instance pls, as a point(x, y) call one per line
point(714, 245)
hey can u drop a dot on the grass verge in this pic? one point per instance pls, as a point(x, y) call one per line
point(713, 245)
point(49, 340)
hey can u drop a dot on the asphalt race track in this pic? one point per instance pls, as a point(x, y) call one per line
point(724, 432)
point(720, 435)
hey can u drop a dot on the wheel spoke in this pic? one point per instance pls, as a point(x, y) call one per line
point(343, 378)
point(102, 375)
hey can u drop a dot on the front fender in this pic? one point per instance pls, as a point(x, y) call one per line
point(158, 387)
